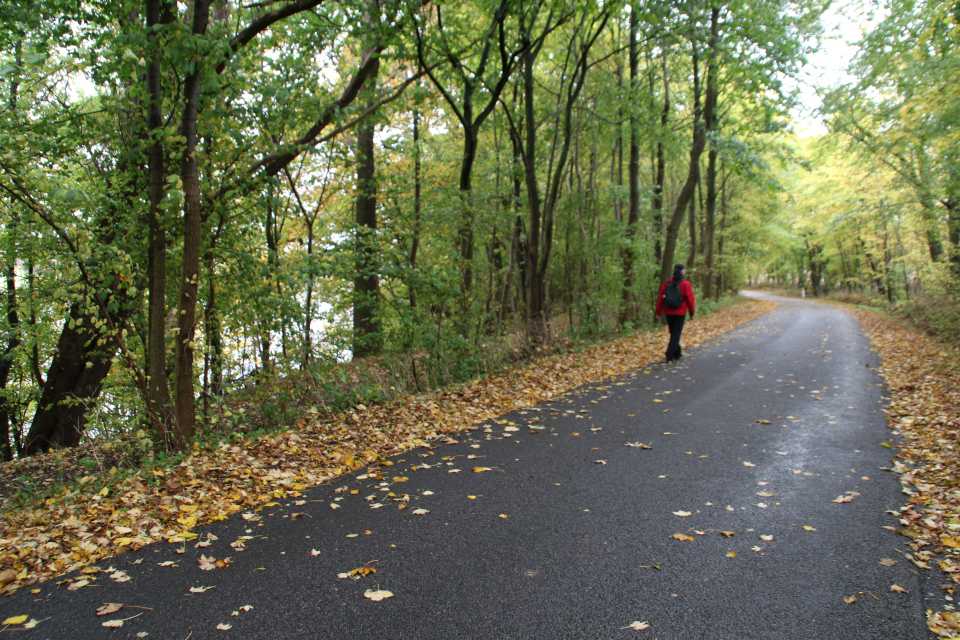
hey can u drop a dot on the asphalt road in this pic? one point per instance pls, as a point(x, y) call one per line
point(553, 544)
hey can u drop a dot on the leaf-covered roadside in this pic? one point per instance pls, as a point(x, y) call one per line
point(924, 409)
point(98, 518)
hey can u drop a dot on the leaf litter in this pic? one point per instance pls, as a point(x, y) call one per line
point(923, 410)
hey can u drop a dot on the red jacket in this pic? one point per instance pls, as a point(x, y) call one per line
point(686, 291)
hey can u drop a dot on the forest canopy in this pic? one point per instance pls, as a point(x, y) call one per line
point(200, 197)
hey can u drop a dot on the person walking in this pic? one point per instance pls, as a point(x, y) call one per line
point(674, 302)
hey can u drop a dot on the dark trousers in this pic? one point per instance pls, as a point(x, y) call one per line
point(675, 323)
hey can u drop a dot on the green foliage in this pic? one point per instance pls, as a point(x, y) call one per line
point(278, 249)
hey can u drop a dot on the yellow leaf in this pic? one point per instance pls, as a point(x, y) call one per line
point(657, 400)
point(188, 508)
point(898, 589)
point(122, 542)
point(401, 479)
point(104, 492)
point(503, 515)
point(377, 595)
point(732, 554)
point(15, 620)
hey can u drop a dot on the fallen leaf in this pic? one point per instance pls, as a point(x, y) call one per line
point(359, 572)
point(503, 515)
point(207, 563)
point(112, 624)
point(898, 589)
point(314, 552)
point(636, 624)
point(807, 527)
point(763, 421)
point(224, 627)
point(756, 548)
point(682, 514)
point(600, 461)
point(887, 562)
point(377, 595)
point(727, 534)
point(30, 625)
point(108, 608)
point(481, 469)
point(682, 537)
point(16, 620)
point(766, 538)
point(748, 464)
point(420, 512)
point(732, 554)
point(850, 599)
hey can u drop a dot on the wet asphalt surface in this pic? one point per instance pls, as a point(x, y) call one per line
point(585, 547)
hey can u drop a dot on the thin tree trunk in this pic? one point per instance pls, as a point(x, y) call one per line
point(417, 206)
point(158, 12)
point(709, 224)
point(657, 203)
point(629, 305)
point(190, 175)
point(688, 190)
point(6, 363)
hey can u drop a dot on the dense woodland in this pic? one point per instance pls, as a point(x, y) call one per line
point(200, 197)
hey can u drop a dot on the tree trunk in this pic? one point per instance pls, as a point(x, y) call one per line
point(709, 224)
point(417, 206)
point(187, 310)
point(688, 190)
point(536, 326)
point(74, 380)
point(157, 12)
point(628, 311)
point(6, 363)
point(367, 339)
point(657, 203)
